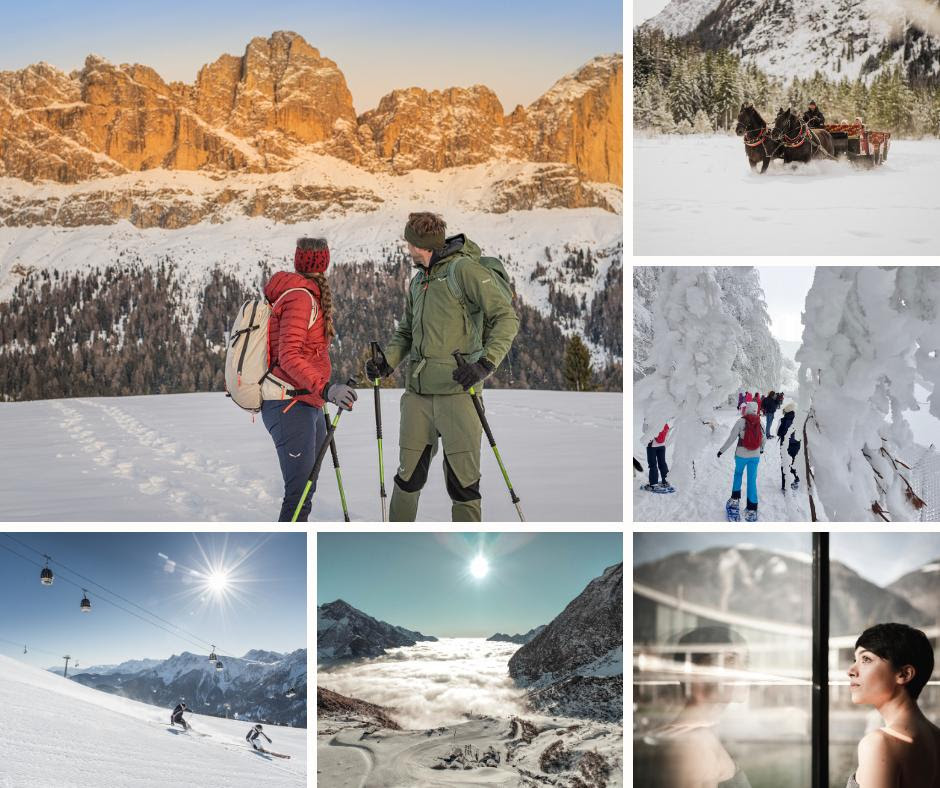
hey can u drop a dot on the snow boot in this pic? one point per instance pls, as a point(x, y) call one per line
point(733, 510)
point(750, 514)
point(664, 487)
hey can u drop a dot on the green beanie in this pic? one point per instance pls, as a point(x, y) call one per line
point(432, 241)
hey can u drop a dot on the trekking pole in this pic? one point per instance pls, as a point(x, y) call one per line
point(489, 436)
point(315, 473)
point(376, 351)
point(339, 476)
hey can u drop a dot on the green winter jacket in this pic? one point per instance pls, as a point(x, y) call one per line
point(436, 323)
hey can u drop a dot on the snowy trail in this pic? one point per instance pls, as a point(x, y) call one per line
point(703, 500)
point(72, 736)
point(183, 457)
point(696, 195)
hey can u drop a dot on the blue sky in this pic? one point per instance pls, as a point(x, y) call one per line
point(518, 49)
point(785, 289)
point(422, 581)
point(879, 557)
point(264, 606)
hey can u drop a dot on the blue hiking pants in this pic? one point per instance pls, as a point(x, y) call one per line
point(298, 435)
point(740, 463)
point(770, 420)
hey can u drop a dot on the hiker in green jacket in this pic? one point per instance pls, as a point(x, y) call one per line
point(454, 302)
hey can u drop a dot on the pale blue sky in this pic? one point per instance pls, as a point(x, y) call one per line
point(422, 581)
point(785, 290)
point(164, 573)
point(879, 557)
point(518, 49)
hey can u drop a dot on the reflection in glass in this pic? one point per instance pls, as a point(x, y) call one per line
point(722, 664)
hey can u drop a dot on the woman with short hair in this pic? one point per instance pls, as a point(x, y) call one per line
point(893, 663)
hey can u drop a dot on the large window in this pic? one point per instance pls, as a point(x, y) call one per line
point(722, 646)
point(876, 578)
point(730, 633)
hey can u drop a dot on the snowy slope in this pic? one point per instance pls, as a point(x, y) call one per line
point(704, 500)
point(198, 457)
point(70, 736)
point(681, 16)
point(696, 195)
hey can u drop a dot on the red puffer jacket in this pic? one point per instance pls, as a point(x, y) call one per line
point(300, 354)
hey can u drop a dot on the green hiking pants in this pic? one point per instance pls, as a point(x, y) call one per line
point(424, 418)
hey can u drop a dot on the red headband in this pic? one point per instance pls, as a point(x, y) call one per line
point(311, 261)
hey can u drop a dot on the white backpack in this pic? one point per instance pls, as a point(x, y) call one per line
point(248, 378)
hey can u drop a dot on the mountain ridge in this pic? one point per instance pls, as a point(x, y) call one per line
point(280, 100)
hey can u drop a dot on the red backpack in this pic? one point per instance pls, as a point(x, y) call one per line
point(752, 432)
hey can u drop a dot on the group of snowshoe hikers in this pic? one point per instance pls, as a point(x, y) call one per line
point(456, 301)
point(749, 438)
point(252, 737)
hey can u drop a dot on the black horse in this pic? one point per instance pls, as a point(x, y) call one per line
point(758, 145)
point(800, 142)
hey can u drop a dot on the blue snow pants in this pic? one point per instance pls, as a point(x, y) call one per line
point(740, 463)
point(298, 435)
point(770, 420)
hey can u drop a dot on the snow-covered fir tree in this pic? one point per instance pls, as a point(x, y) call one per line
point(717, 82)
point(870, 333)
point(694, 345)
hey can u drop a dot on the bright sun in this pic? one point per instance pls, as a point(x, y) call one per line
point(217, 581)
point(479, 567)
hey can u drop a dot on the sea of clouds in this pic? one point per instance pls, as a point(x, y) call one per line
point(433, 684)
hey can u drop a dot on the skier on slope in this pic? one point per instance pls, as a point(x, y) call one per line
point(176, 717)
point(252, 737)
point(750, 445)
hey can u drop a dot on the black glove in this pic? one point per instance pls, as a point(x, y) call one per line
point(377, 367)
point(719, 454)
point(340, 394)
point(469, 374)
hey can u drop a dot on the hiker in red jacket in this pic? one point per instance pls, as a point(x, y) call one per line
point(656, 458)
point(299, 335)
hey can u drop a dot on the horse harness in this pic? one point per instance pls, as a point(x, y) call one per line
point(806, 132)
point(760, 137)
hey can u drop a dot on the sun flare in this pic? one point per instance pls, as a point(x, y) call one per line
point(479, 567)
point(217, 581)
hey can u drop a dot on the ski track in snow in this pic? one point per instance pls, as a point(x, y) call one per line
point(182, 457)
point(696, 195)
point(704, 498)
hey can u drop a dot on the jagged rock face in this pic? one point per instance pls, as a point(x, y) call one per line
point(256, 112)
point(280, 84)
point(580, 121)
point(417, 129)
point(590, 627)
point(343, 632)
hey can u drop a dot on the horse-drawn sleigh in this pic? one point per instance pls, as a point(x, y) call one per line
point(793, 140)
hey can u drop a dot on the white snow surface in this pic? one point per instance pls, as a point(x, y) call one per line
point(681, 16)
point(198, 457)
point(696, 195)
point(66, 735)
point(703, 499)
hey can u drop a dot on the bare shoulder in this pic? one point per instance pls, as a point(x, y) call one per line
point(877, 747)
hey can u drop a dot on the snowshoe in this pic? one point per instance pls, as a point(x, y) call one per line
point(795, 485)
point(733, 510)
point(750, 515)
point(658, 488)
